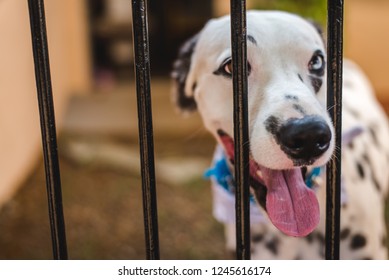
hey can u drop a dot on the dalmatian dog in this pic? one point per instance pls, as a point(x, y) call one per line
point(291, 137)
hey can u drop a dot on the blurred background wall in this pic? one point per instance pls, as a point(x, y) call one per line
point(366, 38)
point(70, 64)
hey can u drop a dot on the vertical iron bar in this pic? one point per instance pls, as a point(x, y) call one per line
point(47, 120)
point(142, 73)
point(334, 105)
point(241, 134)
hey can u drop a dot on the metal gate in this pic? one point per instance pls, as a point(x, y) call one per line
point(142, 71)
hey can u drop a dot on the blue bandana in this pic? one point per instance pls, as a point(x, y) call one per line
point(220, 171)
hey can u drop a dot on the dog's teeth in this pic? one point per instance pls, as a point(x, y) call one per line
point(259, 173)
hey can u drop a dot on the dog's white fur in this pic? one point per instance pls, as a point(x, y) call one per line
point(275, 65)
point(284, 44)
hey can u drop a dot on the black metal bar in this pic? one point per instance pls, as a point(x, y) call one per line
point(241, 134)
point(334, 105)
point(47, 120)
point(142, 73)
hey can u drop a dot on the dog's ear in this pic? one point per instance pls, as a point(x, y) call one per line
point(184, 100)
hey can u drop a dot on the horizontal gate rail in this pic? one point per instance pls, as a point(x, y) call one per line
point(241, 133)
point(334, 106)
point(47, 120)
point(142, 73)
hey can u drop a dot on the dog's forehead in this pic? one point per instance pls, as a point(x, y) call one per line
point(263, 28)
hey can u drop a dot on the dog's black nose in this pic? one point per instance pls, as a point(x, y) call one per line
point(304, 139)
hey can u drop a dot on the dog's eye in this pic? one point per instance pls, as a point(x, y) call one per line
point(316, 65)
point(226, 69)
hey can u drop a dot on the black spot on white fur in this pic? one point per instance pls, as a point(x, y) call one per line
point(366, 158)
point(256, 238)
point(316, 83)
point(360, 169)
point(358, 241)
point(375, 182)
point(299, 109)
point(272, 245)
point(292, 97)
point(373, 175)
point(252, 39)
point(272, 124)
point(374, 135)
point(194, 86)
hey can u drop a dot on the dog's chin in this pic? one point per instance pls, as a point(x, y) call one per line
point(291, 206)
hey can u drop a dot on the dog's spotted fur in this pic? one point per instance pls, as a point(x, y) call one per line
point(287, 81)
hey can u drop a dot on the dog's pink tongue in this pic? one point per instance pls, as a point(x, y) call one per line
point(292, 207)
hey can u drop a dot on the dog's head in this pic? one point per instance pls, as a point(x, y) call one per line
point(289, 127)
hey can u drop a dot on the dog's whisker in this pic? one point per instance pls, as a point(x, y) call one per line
point(199, 131)
point(332, 107)
point(334, 155)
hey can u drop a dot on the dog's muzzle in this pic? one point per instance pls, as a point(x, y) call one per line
point(292, 207)
point(305, 139)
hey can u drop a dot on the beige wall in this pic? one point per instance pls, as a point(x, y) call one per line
point(367, 40)
point(20, 142)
